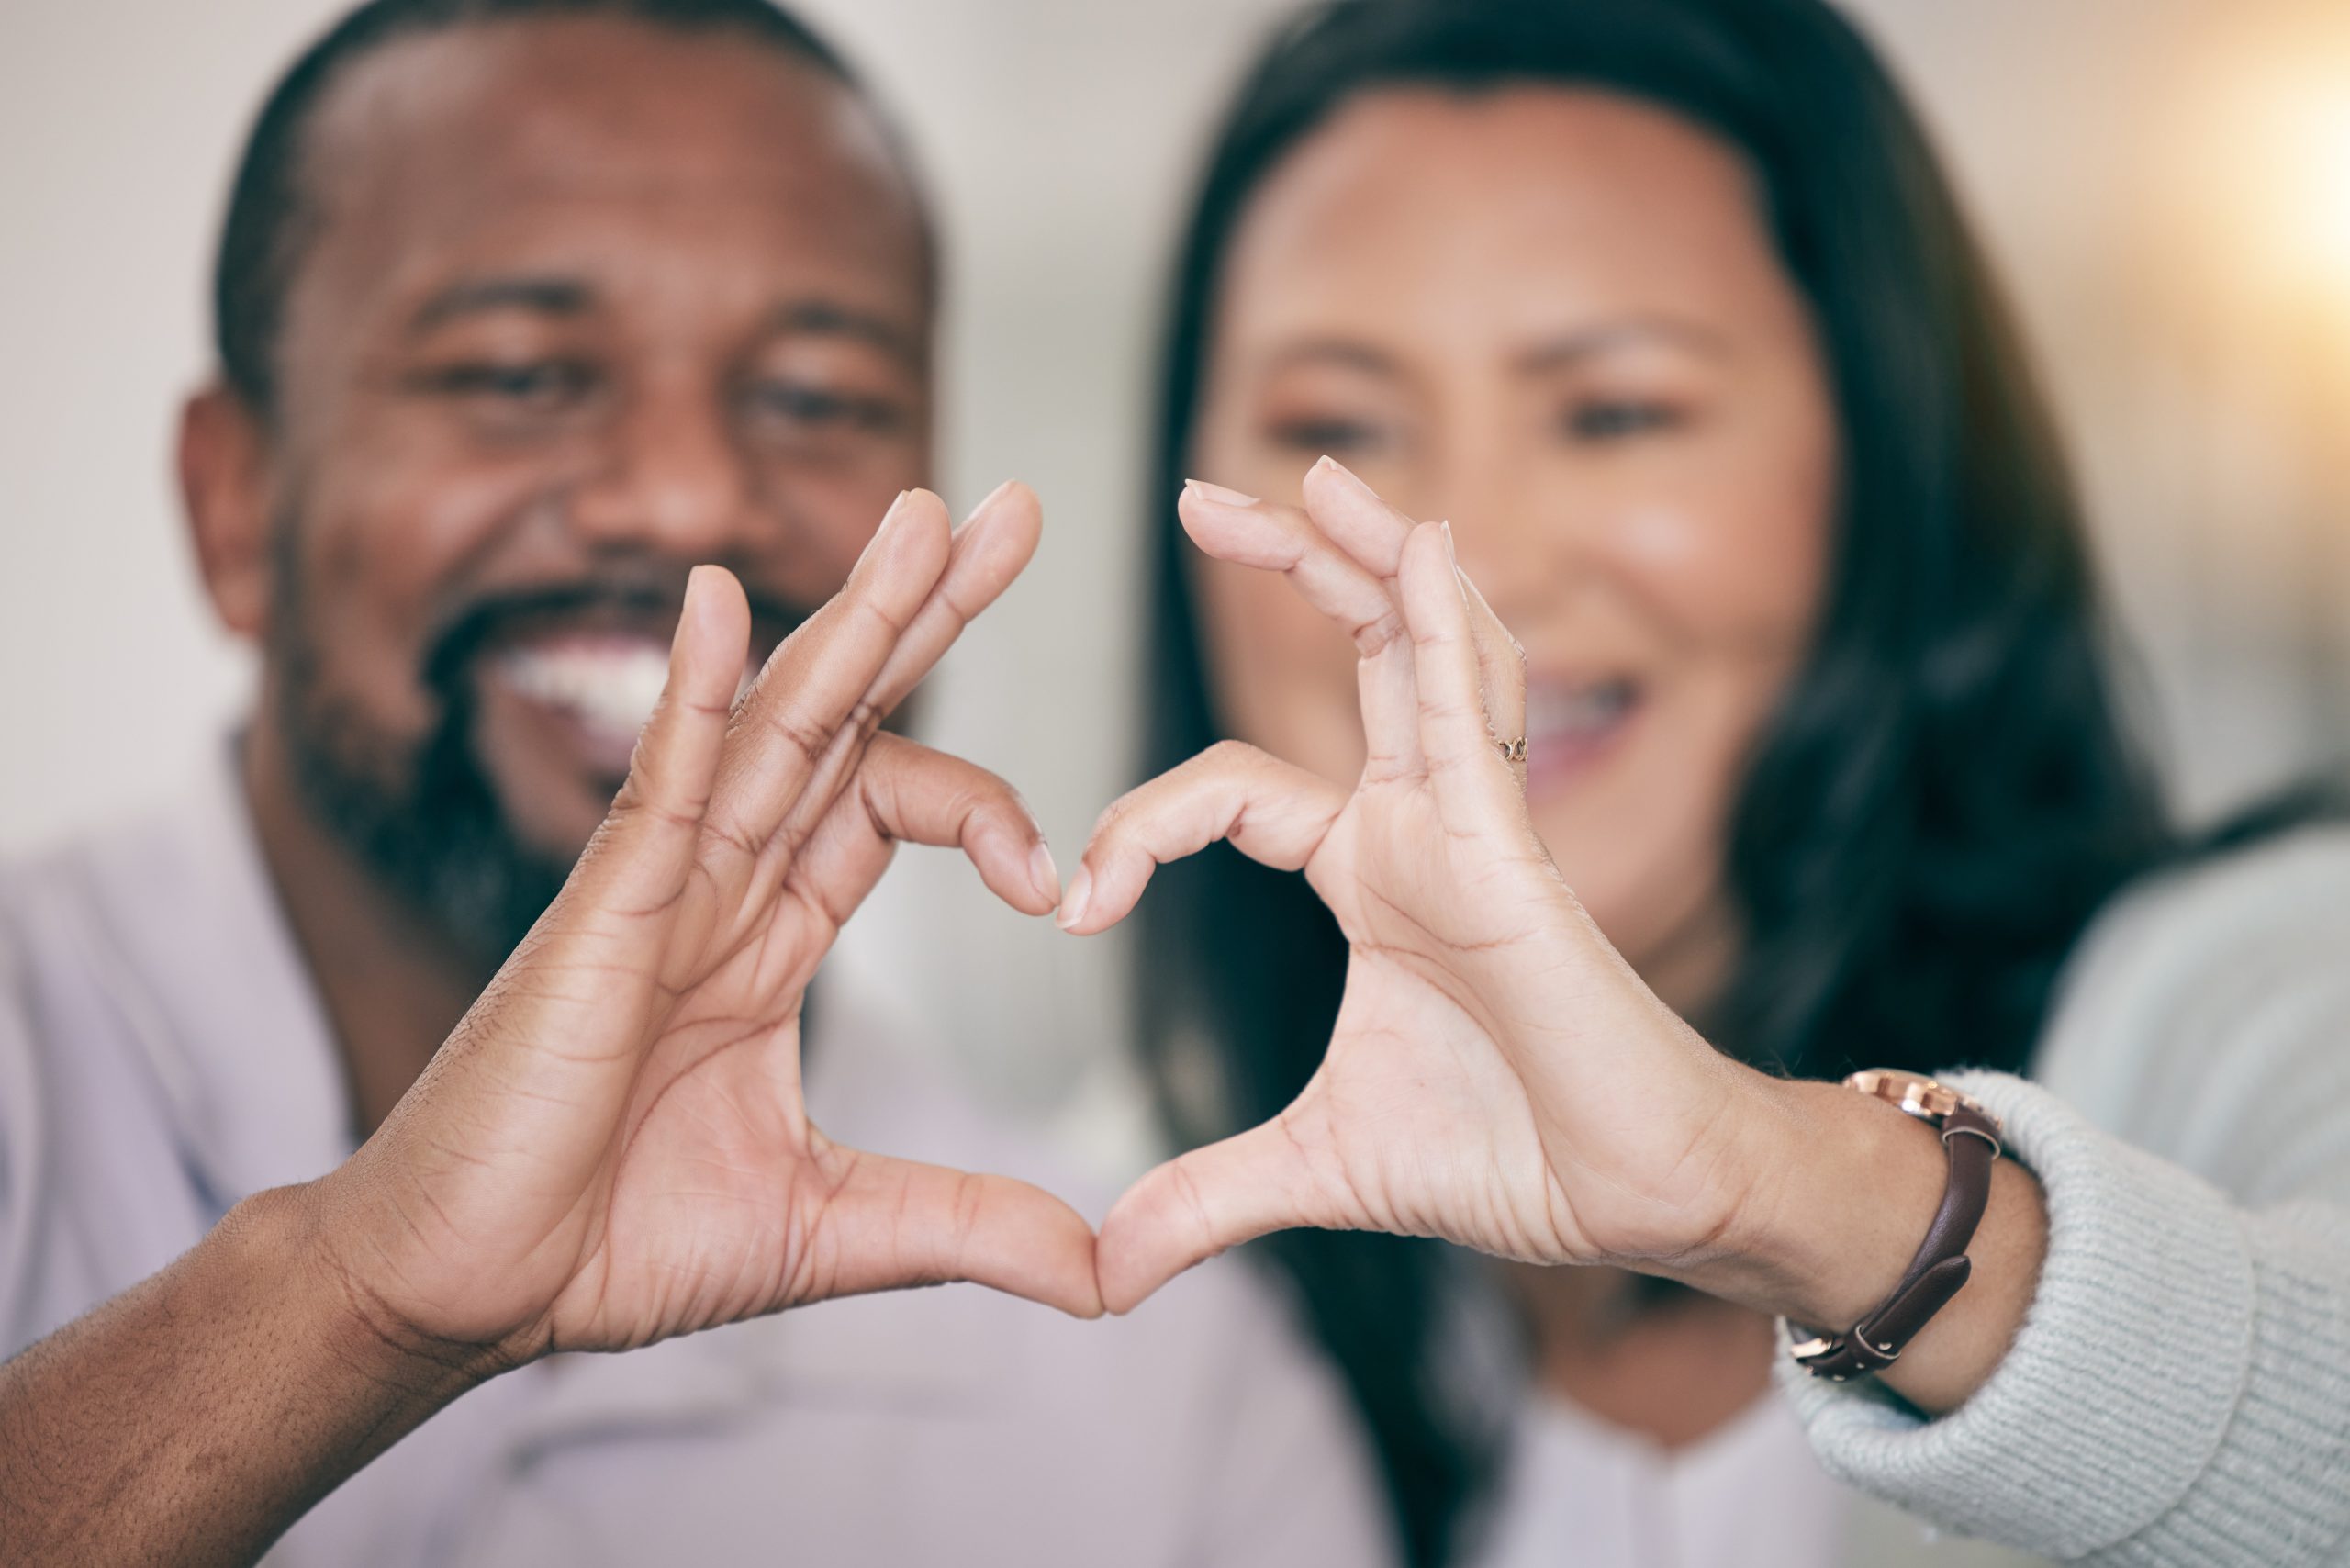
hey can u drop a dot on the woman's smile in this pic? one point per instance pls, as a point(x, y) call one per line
point(1575, 726)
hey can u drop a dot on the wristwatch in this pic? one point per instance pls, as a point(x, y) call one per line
point(1971, 1135)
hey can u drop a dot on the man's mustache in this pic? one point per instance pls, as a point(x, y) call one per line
point(637, 599)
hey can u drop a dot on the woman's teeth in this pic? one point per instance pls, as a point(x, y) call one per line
point(1578, 712)
point(607, 686)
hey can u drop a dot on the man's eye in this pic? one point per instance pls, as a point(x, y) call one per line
point(1334, 436)
point(823, 409)
point(1616, 421)
point(536, 384)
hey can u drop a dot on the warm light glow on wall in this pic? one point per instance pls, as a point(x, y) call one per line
point(2306, 128)
point(2267, 122)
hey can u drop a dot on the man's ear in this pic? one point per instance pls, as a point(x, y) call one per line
point(225, 490)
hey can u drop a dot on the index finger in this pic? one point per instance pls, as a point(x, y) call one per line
point(993, 547)
point(988, 552)
point(1271, 537)
point(818, 682)
point(1372, 533)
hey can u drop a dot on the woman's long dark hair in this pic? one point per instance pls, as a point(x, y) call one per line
point(1941, 800)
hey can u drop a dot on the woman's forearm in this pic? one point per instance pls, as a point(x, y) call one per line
point(1842, 1188)
point(194, 1417)
point(2175, 1397)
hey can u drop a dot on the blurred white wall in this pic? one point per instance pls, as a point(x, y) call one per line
point(2167, 232)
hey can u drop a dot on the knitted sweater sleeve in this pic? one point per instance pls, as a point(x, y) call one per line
point(2179, 1392)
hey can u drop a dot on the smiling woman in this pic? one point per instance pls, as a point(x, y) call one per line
point(1588, 356)
point(1667, 308)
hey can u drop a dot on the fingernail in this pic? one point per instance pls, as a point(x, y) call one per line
point(881, 530)
point(1044, 873)
point(1460, 577)
point(989, 499)
point(1218, 493)
point(889, 525)
point(1080, 893)
point(1330, 465)
point(694, 581)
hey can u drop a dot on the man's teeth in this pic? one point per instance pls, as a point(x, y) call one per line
point(611, 687)
point(1572, 714)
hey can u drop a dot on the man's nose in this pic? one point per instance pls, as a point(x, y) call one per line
point(670, 475)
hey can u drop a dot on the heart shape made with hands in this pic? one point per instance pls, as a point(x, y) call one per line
point(613, 1149)
point(1497, 1075)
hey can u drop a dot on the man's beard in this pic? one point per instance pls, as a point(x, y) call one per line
point(425, 820)
point(427, 826)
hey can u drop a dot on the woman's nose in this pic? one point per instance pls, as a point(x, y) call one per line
point(1511, 541)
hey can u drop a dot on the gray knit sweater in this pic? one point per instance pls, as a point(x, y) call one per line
point(2179, 1393)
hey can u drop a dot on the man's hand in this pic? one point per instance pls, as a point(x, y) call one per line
point(611, 1148)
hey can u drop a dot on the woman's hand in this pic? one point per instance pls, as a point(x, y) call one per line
point(613, 1148)
point(1498, 1076)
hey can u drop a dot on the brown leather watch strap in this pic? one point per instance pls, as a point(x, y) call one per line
point(1935, 1274)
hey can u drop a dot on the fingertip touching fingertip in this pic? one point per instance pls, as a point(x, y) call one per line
point(1074, 902)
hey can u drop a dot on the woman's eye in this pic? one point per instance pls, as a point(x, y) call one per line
point(1333, 436)
point(1616, 419)
point(542, 384)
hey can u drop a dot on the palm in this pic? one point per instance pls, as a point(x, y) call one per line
point(718, 1199)
point(711, 1193)
point(613, 1149)
point(1417, 1121)
point(1475, 1086)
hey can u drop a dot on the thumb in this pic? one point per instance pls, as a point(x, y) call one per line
point(888, 1224)
point(643, 851)
point(1196, 1206)
point(574, 999)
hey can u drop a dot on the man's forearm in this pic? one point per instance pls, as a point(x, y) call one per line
point(195, 1416)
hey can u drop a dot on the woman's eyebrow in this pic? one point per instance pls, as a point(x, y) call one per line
point(1343, 352)
point(1588, 342)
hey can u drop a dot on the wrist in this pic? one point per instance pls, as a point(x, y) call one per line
point(1835, 1193)
point(293, 1236)
point(1841, 1192)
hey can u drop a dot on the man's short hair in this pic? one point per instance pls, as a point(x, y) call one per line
point(270, 217)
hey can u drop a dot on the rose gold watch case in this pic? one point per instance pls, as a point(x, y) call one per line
point(1914, 1095)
